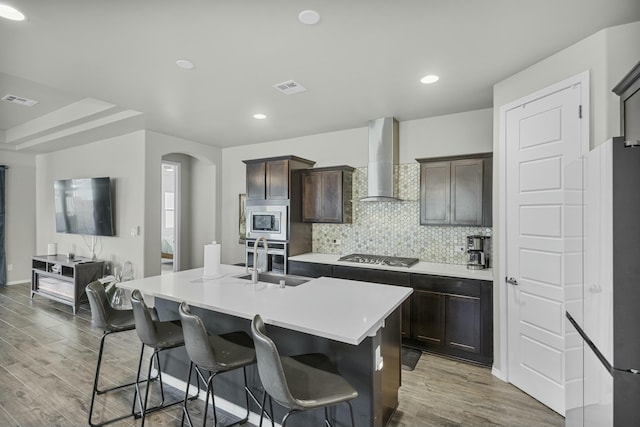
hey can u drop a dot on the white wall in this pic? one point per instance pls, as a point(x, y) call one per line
point(608, 55)
point(203, 215)
point(20, 210)
point(463, 133)
point(134, 161)
point(120, 158)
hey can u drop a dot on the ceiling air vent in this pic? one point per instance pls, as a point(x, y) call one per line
point(19, 100)
point(290, 87)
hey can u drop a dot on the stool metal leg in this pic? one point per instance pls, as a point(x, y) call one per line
point(353, 424)
point(210, 392)
point(185, 411)
point(96, 391)
point(143, 405)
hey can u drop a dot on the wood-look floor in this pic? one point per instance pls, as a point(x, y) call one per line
point(48, 356)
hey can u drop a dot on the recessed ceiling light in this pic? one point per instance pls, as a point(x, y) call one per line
point(431, 78)
point(309, 17)
point(259, 116)
point(9, 12)
point(185, 64)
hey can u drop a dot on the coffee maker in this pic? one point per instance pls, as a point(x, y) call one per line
point(478, 252)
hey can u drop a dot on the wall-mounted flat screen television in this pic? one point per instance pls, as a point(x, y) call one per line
point(83, 206)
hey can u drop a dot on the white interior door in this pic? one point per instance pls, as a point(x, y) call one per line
point(541, 137)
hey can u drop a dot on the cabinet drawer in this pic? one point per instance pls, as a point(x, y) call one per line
point(371, 275)
point(309, 269)
point(447, 285)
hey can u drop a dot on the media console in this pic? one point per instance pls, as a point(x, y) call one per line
point(64, 280)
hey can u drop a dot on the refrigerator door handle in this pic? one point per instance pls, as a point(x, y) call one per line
point(590, 343)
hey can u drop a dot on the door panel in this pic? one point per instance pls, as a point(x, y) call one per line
point(542, 127)
point(541, 221)
point(542, 136)
point(540, 175)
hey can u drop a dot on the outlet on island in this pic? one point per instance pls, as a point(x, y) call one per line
point(336, 241)
point(459, 249)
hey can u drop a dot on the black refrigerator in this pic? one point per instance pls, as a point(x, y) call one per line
point(606, 390)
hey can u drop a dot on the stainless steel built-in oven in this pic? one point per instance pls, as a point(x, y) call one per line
point(275, 261)
point(269, 222)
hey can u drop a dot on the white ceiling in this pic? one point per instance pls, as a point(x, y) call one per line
point(96, 65)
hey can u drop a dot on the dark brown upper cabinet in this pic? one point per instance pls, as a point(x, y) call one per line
point(629, 92)
point(456, 190)
point(270, 179)
point(326, 194)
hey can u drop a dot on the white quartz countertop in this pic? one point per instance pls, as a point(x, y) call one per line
point(450, 270)
point(342, 310)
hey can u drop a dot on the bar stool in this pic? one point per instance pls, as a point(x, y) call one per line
point(299, 383)
point(159, 336)
point(216, 354)
point(110, 321)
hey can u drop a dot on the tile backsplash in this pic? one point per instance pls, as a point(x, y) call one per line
point(393, 228)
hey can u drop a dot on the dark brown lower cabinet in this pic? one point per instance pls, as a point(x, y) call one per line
point(445, 315)
point(453, 317)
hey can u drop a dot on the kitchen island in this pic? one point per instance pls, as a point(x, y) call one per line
point(356, 324)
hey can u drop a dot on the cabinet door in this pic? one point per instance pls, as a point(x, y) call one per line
point(331, 200)
point(462, 320)
point(311, 197)
point(277, 179)
point(487, 192)
point(256, 183)
point(323, 197)
point(428, 316)
point(466, 192)
point(435, 193)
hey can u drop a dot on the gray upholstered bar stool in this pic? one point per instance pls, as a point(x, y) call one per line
point(110, 321)
point(216, 354)
point(299, 383)
point(160, 336)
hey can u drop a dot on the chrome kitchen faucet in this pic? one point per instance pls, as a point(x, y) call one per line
point(255, 270)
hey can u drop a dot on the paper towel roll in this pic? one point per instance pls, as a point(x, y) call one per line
point(211, 261)
point(52, 249)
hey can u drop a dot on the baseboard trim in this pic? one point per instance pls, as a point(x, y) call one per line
point(17, 282)
point(498, 374)
point(221, 403)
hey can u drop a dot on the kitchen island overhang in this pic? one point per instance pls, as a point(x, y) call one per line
point(357, 324)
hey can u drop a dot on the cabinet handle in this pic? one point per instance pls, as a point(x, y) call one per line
point(512, 281)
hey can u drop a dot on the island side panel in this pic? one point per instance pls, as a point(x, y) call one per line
point(378, 390)
point(391, 340)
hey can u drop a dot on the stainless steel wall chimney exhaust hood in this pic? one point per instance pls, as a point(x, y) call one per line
point(383, 157)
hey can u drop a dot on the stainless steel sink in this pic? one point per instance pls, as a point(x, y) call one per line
point(275, 278)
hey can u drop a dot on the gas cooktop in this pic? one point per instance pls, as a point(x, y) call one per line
point(391, 261)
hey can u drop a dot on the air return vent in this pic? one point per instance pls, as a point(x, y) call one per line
point(290, 87)
point(19, 100)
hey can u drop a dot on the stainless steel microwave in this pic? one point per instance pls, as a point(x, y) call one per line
point(267, 221)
